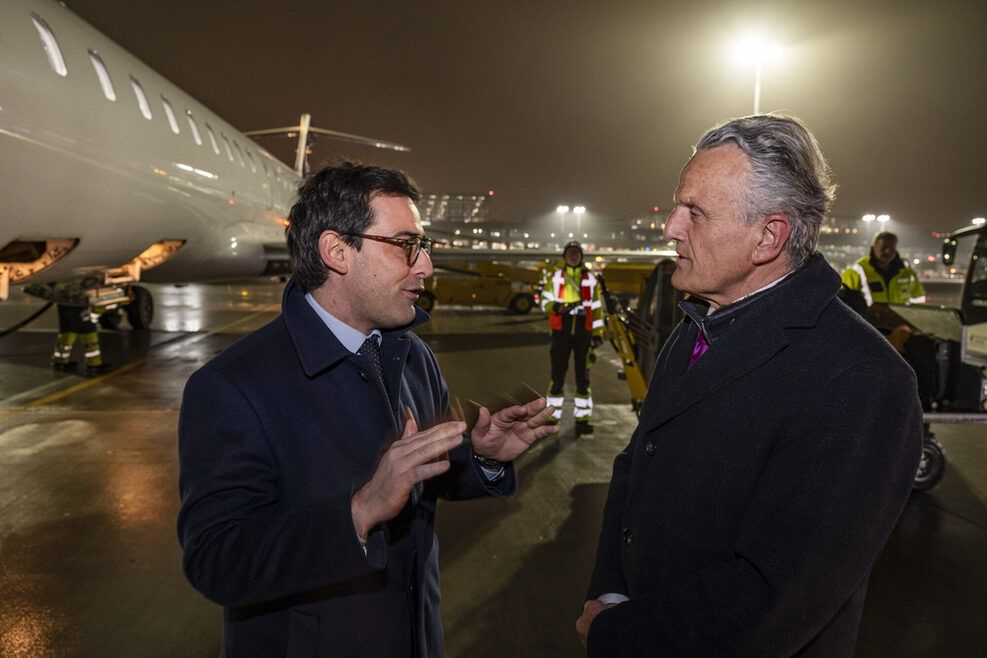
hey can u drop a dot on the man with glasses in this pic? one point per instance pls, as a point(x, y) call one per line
point(313, 451)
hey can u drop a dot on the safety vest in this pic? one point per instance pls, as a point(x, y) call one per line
point(589, 296)
point(903, 288)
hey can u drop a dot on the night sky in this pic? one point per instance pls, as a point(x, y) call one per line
point(591, 102)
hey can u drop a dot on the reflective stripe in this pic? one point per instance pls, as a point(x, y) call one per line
point(597, 324)
point(864, 286)
point(917, 300)
point(92, 354)
point(584, 407)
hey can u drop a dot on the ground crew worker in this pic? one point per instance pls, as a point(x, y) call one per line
point(572, 297)
point(77, 323)
point(882, 277)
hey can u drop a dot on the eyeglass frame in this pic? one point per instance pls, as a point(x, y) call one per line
point(408, 244)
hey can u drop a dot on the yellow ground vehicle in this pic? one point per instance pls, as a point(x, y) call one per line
point(640, 311)
point(482, 284)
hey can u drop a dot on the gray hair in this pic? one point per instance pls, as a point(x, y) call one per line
point(789, 175)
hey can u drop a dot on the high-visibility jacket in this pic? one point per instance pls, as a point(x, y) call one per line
point(589, 296)
point(902, 287)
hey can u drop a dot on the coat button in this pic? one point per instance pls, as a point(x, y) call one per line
point(650, 448)
point(628, 536)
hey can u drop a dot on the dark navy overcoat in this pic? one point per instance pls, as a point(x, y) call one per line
point(275, 435)
point(745, 515)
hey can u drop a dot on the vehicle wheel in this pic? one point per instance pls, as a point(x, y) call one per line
point(140, 311)
point(111, 319)
point(521, 303)
point(426, 301)
point(932, 466)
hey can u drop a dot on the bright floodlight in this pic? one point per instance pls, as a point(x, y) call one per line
point(884, 218)
point(753, 50)
point(562, 209)
point(869, 217)
point(979, 220)
point(579, 210)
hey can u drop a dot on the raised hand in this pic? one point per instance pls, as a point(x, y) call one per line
point(416, 456)
point(509, 432)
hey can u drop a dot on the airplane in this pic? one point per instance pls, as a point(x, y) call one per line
point(112, 175)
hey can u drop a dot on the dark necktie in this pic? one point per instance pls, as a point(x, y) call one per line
point(699, 348)
point(371, 349)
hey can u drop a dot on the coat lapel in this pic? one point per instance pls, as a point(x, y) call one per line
point(749, 342)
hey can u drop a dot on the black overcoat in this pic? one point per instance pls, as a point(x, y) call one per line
point(275, 435)
point(745, 515)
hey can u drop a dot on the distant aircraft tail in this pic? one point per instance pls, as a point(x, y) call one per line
point(306, 137)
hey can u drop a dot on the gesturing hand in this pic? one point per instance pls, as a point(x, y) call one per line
point(509, 432)
point(409, 460)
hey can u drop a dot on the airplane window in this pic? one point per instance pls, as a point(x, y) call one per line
point(104, 76)
point(193, 127)
point(51, 46)
point(239, 154)
point(226, 143)
point(212, 138)
point(172, 121)
point(141, 97)
point(250, 158)
point(267, 172)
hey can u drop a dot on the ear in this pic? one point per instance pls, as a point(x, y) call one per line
point(334, 251)
point(774, 235)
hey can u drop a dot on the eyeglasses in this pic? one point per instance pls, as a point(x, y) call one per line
point(412, 246)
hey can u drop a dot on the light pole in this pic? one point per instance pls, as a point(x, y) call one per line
point(579, 210)
point(562, 210)
point(757, 51)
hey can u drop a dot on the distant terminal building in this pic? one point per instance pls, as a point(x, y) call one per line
point(453, 208)
point(463, 220)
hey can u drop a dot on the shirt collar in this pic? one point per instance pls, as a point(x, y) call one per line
point(711, 310)
point(352, 339)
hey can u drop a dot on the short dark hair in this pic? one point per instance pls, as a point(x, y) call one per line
point(337, 198)
point(789, 174)
point(885, 235)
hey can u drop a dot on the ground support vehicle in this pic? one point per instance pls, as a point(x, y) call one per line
point(640, 311)
point(482, 284)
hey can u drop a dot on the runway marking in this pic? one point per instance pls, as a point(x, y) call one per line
point(95, 380)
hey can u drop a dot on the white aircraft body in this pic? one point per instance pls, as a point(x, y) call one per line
point(111, 174)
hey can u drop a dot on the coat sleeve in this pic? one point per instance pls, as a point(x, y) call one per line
point(851, 279)
point(241, 543)
point(464, 480)
point(821, 511)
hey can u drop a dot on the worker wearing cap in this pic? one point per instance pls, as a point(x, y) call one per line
point(572, 298)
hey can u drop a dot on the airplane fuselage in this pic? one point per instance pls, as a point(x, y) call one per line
point(100, 152)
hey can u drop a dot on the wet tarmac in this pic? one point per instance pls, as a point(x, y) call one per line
point(90, 563)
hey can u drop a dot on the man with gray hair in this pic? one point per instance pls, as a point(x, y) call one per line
point(763, 479)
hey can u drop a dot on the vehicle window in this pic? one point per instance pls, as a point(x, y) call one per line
point(250, 159)
point(194, 127)
point(141, 97)
point(104, 76)
point(212, 138)
point(52, 50)
point(170, 113)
